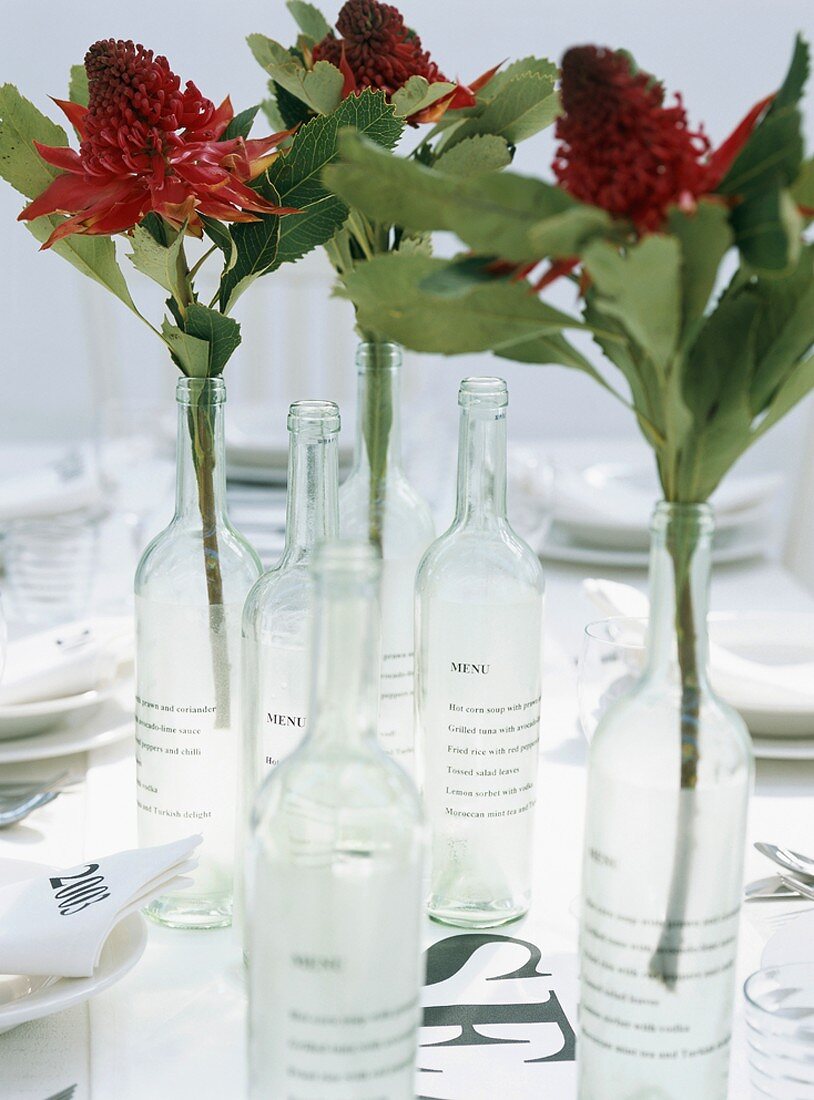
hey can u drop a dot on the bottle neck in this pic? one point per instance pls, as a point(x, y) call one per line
point(481, 466)
point(312, 509)
point(378, 409)
point(680, 564)
point(200, 489)
point(346, 658)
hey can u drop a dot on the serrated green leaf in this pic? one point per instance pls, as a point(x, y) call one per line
point(791, 90)
point(241, 124)
point(221, 334)
point(391, 302)
point(417, 94)
point(190, 354)
point(78, 86)
point(521, 108)
point(256, 244)
point(771, 158)
point(802, 190)
point(768, 229)
point(554, 349)
point(785, 332)
point(539, 66)
point(309, 19)
point(705, 237)
point(292, 111)
point(219, 235)
point(320, 87)
point(297, 177)
point(271, 109)
point(21, 124)
point(158, 262)
point(642, 289)
point(493, 213)
point(161, 231)
point(482, 153)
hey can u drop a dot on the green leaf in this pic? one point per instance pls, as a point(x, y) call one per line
point(539, 66)
point(189, 353)
point(161, 231)
point(553, 349)
point(567, 232)
point(241, 124)
point(256, 245)
point(482, 153)
point(768, 229)
point(785, 332)
point(271, 109)
point(791, 90)
point(493, 213)
point(219, 235)
point(705, 237)
point(78, 86)
point(297, 177)
point(521, 108)
point(320, 87)
point(391, 302)
point(798, 384)
point(309, 19)
point(642, 288)
point(21, 124)
point(417, 94)
point(292, 111)
point(158, 262)
point(221, 334)
point(802, 190)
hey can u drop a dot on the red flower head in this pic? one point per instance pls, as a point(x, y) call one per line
point(377, 50)
point(147, 145)
point(621, 148)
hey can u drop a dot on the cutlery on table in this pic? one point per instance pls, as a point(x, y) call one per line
point(791, 861)
point(66, 1094)
point(19, 800)
point(805, 889)
point(772, 887)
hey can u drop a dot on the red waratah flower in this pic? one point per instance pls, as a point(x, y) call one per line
point(149, 145)
point(377, 50)
point(623, 150)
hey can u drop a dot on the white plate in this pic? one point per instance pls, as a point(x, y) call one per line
point(783, 748)
point(737, 544)
point(25, 998)
point(793, 943)
point(25, 719)
point(110, 723)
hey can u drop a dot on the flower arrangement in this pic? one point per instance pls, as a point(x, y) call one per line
point(642, 217)
point(372, 73)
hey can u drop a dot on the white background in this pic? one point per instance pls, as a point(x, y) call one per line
point(722, 54)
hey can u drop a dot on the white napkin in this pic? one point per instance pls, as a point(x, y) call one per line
point(57, 925)
point(67, 660)
point(743, 682)
point(46, 492)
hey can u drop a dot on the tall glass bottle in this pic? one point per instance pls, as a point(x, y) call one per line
point(276, 618)
point(479, 603)
point(378, 503)
point(334, 875)
point(669, 776)
point(190, 588)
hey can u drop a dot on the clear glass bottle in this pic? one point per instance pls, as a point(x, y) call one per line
point(376, 502)
point(334, 875)
point(670, 771)
point(276, 618)
point(190, 587)
point(479, 604)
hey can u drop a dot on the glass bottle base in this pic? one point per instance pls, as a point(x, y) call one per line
point(214, 911)
point(476, 915)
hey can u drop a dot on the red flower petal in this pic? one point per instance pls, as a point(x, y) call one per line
point(75, 113)
point(61, 156)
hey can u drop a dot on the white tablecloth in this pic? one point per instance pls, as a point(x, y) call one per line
point(173, 1029)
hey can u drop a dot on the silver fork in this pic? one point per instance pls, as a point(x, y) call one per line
point(14, 808)
point(13, 791)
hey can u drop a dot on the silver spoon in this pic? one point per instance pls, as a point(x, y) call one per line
point(792, 861)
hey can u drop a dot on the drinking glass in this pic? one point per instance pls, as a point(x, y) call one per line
point(780, 1023)
point(50, 567)
point(610, 662)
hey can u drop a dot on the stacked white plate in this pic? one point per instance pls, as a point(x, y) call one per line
point(602, 516)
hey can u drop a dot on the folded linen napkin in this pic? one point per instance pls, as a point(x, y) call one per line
point(56, 925)
point(66, 660)
point(47, 492)
point(743, 682)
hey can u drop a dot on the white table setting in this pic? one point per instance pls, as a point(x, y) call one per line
point(142, 1022)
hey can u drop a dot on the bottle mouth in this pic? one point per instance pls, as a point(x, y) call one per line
point(378, 355)
point(317, 418)
point(483, 392)
point(698, 518)
point(200, 391)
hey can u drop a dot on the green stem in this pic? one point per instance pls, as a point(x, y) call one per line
point(377, 420)
point(204, 459)
point(664, 963)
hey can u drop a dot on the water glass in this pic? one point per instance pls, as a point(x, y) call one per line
point(780, 1031)
point(50, 567)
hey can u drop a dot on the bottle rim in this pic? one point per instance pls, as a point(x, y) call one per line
point(200, 391)
point(321, 417)
point(484, 391)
